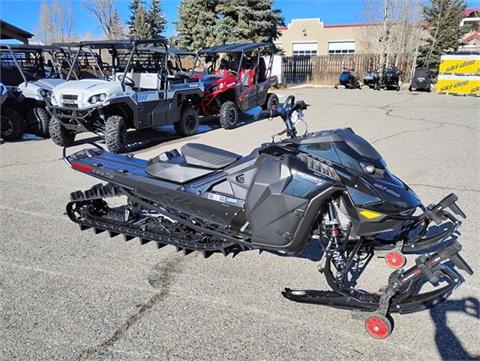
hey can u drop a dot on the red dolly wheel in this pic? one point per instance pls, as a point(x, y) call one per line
point(395, 259)
point(378, 326)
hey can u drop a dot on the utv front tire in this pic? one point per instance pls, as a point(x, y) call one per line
point(12, 125)
point(116, 134)
point(229, 115)
point(38, 122)
point(60, 136)
point(271, 103)
point(188, 123)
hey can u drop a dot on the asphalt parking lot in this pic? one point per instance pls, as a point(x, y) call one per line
point(66, 294)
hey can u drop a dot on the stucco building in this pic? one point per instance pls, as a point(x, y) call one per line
point(314, 37)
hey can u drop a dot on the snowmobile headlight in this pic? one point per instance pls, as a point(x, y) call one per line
point(370, 214)
point(97, 98)
point(368, 168)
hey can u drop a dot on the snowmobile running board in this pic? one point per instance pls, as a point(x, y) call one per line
point(432, 267)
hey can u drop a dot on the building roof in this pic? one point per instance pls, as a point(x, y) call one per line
point(470, 12)
point(9, 31)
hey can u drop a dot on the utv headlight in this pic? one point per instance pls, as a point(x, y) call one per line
point(44, 93)
point(97, 98)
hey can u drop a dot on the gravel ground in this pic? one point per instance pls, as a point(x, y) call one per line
point(66, 294)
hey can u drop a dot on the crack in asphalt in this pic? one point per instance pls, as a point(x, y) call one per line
point(162, 281)
point(28, 163)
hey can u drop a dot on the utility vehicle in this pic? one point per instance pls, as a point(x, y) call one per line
point(12, 125)
point(30, 72)
point(236, 78)
point(330, 189)
point(138, 90)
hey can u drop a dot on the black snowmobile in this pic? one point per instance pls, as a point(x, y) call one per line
point(348, 79)
point(372, 79)
point(422, 80)
point(391, 79)
point(331, 188)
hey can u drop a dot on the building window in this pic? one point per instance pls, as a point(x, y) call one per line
point(341, 47)
point(304, 49)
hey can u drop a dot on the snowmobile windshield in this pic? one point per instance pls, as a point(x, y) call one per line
point(346, 148)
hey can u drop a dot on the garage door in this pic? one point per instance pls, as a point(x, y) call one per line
point(341, 47)
point(305, 49)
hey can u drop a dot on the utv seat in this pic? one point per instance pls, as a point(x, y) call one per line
point(204, 156)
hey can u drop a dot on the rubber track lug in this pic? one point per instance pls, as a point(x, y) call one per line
point(112, 234)
point(84, 228)
point(160, 245)
point(144, 241)
point(206, 254)
point(98, 230)
point(186, 251)
point(127, 238)
point(178, 248)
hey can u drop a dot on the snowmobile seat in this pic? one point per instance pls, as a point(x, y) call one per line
point(173, 172)
point(204, 156)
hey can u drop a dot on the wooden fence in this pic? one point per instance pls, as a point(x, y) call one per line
point(325, 69)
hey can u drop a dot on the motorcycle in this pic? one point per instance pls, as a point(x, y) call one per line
point(329, 188)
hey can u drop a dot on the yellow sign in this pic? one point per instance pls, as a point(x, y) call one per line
point(461, 85)
point(460, 64)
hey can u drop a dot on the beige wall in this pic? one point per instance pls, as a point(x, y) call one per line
point(314, 30)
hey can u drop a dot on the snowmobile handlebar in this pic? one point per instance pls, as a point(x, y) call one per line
point(284, 111)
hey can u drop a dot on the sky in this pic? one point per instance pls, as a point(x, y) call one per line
point(25, 13)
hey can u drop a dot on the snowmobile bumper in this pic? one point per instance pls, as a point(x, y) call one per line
point(435, 268)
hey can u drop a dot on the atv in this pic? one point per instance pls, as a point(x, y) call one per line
point(330, 189)
point(348, 79)
point(372, 79)
point(12, 125)
point(31, 72)
point(136, 91)
point(236, 78)
point(422, 80)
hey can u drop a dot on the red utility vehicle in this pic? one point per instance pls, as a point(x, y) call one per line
point(236, 79)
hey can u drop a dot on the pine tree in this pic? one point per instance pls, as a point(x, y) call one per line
point(248, 20)
point(116, 27)
point(133, 7)
point(443, 19)
point(156, 19)
point(196, 24)
point(141, 30)
point(211, 22)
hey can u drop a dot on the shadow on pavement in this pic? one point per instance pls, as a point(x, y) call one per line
point(448, 343)
point(142, 139)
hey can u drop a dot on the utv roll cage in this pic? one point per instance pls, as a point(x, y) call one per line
point(113, 46)
point(242, 48)
point(38, 50)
